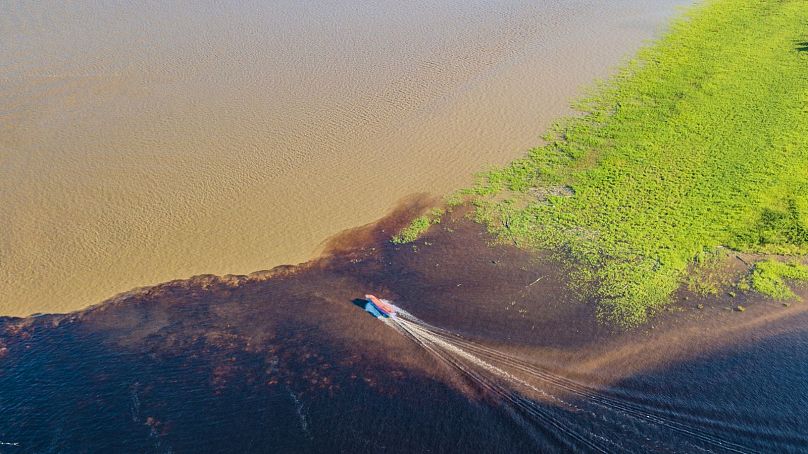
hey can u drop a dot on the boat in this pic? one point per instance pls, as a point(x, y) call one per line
point(379, 308)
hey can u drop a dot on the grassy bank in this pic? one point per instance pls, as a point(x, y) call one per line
point(701, 141)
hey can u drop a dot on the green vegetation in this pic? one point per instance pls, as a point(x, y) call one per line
point(417, 227)
point(769, 277)
point(699, 142)
point(705, 276)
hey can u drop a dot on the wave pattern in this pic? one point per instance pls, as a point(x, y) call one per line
point(557, 405)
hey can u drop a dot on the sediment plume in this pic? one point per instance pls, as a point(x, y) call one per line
point(491, 348)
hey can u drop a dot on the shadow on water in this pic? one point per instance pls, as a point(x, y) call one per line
point(281, 360)
point(360, 303)
point(56, 398)
point(753, 395)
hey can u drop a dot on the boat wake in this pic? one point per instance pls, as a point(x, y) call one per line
point(556, 410)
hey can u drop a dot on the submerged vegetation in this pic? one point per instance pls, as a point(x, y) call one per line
point(705, 277)
point(769, 278)
point(699, 142)
point(417, 227)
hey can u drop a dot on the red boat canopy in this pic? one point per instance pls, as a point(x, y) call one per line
point(387, 308)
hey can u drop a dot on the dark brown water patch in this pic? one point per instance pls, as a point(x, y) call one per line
point(283, 359)
point(379, 232)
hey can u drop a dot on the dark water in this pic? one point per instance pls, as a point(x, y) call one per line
point(755, 394)
point(283, 362)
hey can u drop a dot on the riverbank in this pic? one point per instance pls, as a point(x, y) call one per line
point(699, 144)
point(280, 357)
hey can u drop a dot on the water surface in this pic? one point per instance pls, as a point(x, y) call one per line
point(285, 361)
point(145, 141)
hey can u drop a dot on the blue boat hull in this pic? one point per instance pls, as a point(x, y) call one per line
point(374, 311)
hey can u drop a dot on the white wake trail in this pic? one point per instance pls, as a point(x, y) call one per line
point(455, 356)
point(466, 356)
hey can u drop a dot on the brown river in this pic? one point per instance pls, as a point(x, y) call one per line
point(146, 141)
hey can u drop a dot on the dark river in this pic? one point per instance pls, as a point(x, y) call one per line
point(491, 359)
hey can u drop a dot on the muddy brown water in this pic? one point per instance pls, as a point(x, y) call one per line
point(147, 141)
point(284, 361)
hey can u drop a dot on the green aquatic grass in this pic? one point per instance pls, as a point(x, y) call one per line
point(769, 278)
point(701, 141)
point(705, 276)
point(417, 227)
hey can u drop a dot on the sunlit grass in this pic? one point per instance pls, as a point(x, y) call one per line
point(699, 142)
point(769, 278)
point(417, 227)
